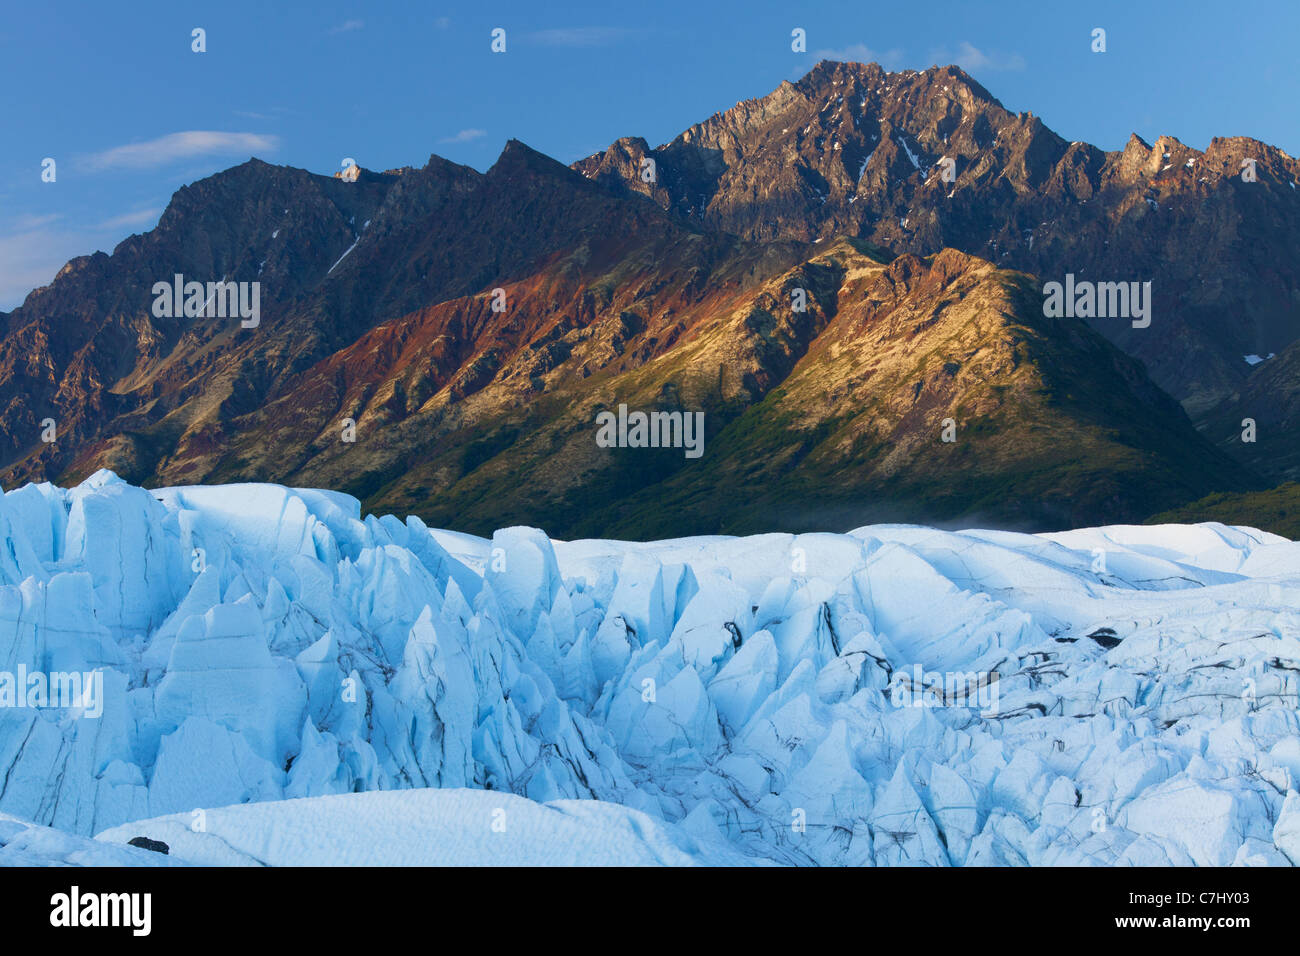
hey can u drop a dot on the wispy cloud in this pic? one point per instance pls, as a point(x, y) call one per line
point(348, 26)
point(271, 113)
point(970, 58)
point(442, 23)
point(34, 248)
point(464, 136)
point(30, 260)
point(141, 217)
point(27, 222)
point(174, 146)
point(578, 36)
point(861, 53)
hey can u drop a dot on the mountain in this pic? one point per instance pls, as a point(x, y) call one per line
point(853, 150)
point(821, 420)
point(88, 351)
point(854, 433)
point(441, 341)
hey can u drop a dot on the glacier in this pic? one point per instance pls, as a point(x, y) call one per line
point(287, 681)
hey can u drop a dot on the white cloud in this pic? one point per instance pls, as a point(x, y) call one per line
point(971, 58)
point(861, 53)
point(174, 146)
point(140, 217)
point(31, 258)
point(348, 26)
point(578, 36)
point(29, 223)
point(464, 136)
point(34, 249)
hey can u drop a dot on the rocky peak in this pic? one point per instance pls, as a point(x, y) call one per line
point(919, 161)
point(518, 158)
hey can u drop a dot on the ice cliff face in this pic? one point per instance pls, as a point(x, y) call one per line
point(897, 695)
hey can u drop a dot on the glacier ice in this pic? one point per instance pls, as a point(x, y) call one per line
point(326, 687)
point(428, 828)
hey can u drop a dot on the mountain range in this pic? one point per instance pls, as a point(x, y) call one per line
point(845, 276)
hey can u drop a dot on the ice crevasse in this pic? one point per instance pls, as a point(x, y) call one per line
point(331, 688)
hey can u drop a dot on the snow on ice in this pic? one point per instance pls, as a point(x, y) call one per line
point(319, 687)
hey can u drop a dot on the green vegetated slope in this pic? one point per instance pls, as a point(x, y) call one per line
point(1276, 510)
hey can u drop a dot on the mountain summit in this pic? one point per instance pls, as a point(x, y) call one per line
point(851, 149)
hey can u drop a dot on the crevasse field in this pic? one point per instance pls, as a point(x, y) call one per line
point(286, 683)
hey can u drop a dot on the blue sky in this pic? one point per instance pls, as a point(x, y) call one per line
point(114, 93)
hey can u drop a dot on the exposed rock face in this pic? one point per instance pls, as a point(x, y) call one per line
point(439, 341)
point(144, 843)
point(851, 149)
